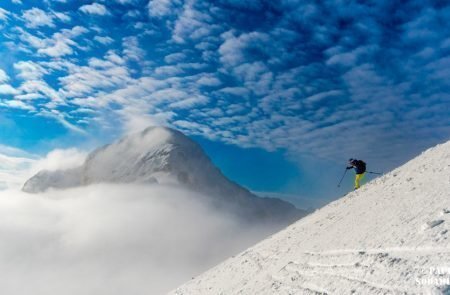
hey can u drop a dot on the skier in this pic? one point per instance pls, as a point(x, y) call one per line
point(360, 169)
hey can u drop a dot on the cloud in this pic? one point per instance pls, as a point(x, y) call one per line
point(15, 152)
point(237, 91)
point(179, 56)
point(15, 167)
point(60, 44)
point(17, 104)
point(136, 117)
point(122, 234)
point(161, 8)
point(131, 49)
point(209, 81)
point(4, 14)
point(30, 39)
point(13, 170)
point(168, 71)
point(3, 76)
point(316, 98)
point(178, 69)
point(61, 118)
point(104, 40)
point(40, 87)
point(29, 70)
point(109, 73)
point(233, 50)
point(36, 17)
point(192, 24)
point(190, 102)
point(29, 96)
point(127, 1)
point(64, 17)
point(94, 8)
point(60, 159)
point(6, 89)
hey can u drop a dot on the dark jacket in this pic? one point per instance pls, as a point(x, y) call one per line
point(360, 166)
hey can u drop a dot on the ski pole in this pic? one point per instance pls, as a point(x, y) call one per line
point(374, 172)
point(342, 178)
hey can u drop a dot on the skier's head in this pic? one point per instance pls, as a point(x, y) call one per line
point(351, 161)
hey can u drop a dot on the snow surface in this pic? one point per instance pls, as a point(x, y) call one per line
point(389, 237)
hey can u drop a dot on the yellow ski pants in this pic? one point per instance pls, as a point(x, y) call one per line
point(358, 179)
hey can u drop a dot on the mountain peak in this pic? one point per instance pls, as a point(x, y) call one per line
point(154, 135)
point(160, 155)
point(154, 155)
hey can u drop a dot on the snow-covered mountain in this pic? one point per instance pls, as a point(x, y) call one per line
point(168, 157)
point(392, 236)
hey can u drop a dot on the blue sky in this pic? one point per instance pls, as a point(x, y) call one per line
point(279, 93)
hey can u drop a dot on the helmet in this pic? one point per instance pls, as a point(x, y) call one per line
point(351, 160)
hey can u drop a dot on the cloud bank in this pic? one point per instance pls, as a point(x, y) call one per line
point(112, 239)
point(107, 238)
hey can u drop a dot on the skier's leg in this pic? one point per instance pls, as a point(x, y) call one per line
point(358, 179)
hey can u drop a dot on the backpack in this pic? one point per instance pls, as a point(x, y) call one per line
point(362, 165)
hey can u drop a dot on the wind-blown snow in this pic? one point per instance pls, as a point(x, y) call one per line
point(389, 237)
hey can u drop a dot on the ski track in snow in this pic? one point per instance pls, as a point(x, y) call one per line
point(384, 238)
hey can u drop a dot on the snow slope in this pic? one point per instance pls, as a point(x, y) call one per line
point(389, 237)
point(160, 155)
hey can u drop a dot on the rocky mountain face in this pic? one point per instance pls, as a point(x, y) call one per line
point(164, 156)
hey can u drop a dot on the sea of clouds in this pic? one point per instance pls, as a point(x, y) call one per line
point(111, 238)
